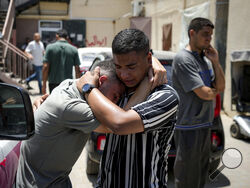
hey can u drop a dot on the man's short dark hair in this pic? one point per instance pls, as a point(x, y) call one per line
point(107, 67)
point(198, 23)
point(129, 40)
point(62, 33)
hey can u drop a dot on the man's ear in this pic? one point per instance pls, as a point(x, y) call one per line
point(149, 58)
point(102, 79)
point(191, 33)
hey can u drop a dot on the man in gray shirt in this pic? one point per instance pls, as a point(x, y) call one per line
point(197, 78)
point(62, 126)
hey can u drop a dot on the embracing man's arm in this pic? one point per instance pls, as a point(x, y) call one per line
point(140, 95)
point(112, 116)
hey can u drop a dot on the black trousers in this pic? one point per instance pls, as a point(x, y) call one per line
point(192, 157)
point(52, 86)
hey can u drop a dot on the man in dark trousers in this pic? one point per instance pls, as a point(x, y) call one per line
point(197, 78)
point(60, 57)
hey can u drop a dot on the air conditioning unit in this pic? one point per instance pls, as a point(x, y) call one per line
point(138, 8)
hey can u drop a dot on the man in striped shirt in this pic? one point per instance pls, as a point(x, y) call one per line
point(136, 155)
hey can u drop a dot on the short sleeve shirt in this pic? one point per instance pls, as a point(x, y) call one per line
point(36, 50)
point(62, 57)
point(190, 71)
point(62, 126)
point(140, 160)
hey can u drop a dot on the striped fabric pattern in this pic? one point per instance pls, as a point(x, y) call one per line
point(140, 160)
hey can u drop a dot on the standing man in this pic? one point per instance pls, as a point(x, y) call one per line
point(138, 159)
point(197, 78)
point(35, 51)
point(60, 57)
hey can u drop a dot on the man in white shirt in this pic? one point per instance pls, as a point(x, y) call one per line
point(35, 51)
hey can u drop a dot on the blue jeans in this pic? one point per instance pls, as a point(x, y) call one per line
point(36, 75)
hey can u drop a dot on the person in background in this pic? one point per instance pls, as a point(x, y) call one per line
point(59, 60)
point(197, 77)
point(25, 44)
point(35, 51)
point(70, 41)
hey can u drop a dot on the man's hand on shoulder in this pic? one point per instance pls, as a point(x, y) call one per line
point(159, 73)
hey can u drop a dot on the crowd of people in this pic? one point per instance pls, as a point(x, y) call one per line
point(53, 64)
point(128, 98)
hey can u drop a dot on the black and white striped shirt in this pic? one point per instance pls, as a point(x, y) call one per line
point(140, 160)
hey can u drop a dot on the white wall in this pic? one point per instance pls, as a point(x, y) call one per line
point(103, 18)
point(238, 38)
point(169, 11)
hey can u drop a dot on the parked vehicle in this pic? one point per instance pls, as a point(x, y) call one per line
point(16, 123)
point(96, 142)
point(89, 54)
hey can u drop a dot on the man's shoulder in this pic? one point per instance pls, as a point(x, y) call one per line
point(31, 43)
point(164, 87)
point(71, 47)
point(164, 90)
point(50, 46)
point(183, 54)
point(41, 43)
point(184, 58)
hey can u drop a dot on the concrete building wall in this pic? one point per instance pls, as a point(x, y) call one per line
point(22, 31)
point(170, 12)
point(104, 19)
point(238, 38)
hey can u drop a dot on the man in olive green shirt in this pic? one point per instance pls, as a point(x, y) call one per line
point(59, 59)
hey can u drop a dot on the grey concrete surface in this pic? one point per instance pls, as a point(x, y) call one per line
point(229, 178)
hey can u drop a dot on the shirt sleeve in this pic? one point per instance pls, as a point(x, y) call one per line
point(188, 74)
point(42, 46)
point(29, 48)
point(46, 56)
point(77, 60)
point(159, 109)
point(78, 115)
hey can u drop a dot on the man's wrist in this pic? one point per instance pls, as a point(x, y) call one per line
point(86, 88)
point(86, 95)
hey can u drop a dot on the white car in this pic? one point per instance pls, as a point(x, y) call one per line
point(16, 123)
point(90, 54)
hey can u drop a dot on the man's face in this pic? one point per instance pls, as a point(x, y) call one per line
point(203, 38)
point(37, 37)
point(132, 67)
point(112, 89)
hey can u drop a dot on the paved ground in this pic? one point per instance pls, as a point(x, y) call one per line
point(229, 178)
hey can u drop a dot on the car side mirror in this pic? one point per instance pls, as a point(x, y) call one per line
point(16, 114)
